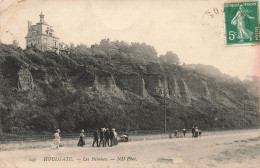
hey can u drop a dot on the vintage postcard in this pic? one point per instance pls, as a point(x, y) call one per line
point(126, 84)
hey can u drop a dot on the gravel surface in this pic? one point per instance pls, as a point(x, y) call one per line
point(228, 149)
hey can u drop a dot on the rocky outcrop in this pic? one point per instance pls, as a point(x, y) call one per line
point(173, 87)
point(182, 92)
point(25, 79)
point(133, 83)
point(176, 91)
point(104, 79)
point(153, 84)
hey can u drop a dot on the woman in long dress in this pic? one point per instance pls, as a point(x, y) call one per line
point(115, 137)
point(81, 139)
point(56, 141)
point(239, 20)
point(196, 132)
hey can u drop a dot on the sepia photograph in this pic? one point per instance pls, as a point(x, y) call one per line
point(129, 84)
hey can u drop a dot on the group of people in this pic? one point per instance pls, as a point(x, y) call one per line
point(194, 130)
point(106, 137)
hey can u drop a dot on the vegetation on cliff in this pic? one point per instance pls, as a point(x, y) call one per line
point(120, 85)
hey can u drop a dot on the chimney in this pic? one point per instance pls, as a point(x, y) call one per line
point(29, 24)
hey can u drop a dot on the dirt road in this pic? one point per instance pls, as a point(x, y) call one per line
point(238, 149)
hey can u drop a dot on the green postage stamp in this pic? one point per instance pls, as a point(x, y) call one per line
point(242, 23)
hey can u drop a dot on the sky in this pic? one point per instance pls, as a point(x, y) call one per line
point(194, 30)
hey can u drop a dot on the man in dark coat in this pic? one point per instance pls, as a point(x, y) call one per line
point(101, 136)
point(106, 134)
point(193, 131)
point(95, 136)
point(111, 137)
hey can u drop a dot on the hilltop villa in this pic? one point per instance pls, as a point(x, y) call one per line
point(42, 36)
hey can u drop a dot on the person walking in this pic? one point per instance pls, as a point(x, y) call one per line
point(111, 137)
point(176, 134)
point(56, 141)
point(196, 132)
point(95, 136)
point(115, 137)
point(183, 132)
point(193, 131)
point(81, 139)
point(199, 133)
point(101, 136)
point(107, 134)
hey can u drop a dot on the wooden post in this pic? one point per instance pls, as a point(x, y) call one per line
point(165, 117)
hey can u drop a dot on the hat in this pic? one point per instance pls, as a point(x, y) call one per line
point(82, 130)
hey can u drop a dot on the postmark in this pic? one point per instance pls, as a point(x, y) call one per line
point(242, 23)
point(213, 23)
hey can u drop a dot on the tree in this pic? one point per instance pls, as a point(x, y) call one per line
point(15, 43)
point(170, 58)
point(45, 122)
point(72, 46)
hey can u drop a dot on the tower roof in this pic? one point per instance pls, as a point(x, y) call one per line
point(42, 18)
point(41, 15)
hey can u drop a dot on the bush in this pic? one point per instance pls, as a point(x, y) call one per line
point(45, 122)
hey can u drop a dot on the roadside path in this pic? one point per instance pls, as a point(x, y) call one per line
point(238, 149)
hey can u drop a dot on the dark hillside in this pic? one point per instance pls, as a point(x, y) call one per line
point(115, 84)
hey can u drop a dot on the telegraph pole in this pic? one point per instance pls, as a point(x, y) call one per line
point(244, 115)
point(164, 102)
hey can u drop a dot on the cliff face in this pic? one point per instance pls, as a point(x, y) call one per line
point(25, 79)
point(44, 91)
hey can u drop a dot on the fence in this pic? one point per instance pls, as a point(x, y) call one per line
point(134, 135)
point(36, 137)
